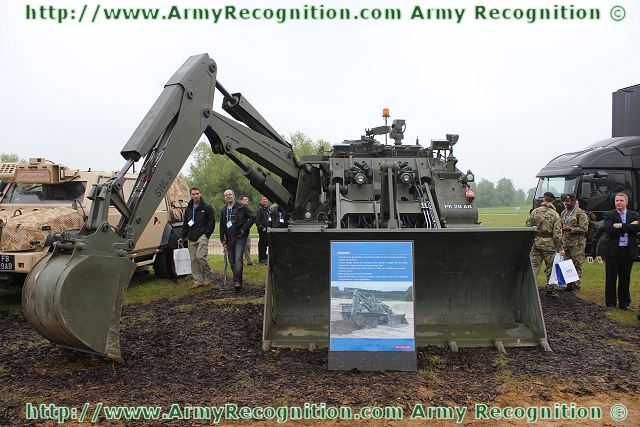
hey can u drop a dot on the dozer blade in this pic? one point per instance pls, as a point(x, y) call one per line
point(472, 287)
point(75, 300)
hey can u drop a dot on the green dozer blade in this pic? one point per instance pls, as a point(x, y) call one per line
point(75, 300)
point(473, 287)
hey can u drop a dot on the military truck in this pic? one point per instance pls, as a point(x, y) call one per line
point(599, 171)
point(40, 199)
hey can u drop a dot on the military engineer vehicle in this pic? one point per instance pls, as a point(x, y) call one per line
point(41, 199)
point(473, 286)
point(366, 311)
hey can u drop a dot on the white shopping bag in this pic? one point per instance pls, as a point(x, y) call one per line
point(566, 272)
point(553, 279)
point(182, 261)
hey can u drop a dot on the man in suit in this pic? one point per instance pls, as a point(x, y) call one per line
point(620, 250)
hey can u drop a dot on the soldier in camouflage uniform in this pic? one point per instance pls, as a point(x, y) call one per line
point(548, 238)
point(575, 225)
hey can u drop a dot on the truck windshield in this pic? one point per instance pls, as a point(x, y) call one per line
point(557, 185)
point(42, 194)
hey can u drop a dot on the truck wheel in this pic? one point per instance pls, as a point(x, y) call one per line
point(163, 265)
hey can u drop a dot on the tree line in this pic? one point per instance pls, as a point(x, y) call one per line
point(502, 193)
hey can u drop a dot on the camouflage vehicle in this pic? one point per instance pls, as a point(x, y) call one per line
point(40, 199)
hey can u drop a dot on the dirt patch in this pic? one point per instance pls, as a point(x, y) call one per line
point(206, 349)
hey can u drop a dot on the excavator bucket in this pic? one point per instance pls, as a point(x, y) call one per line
point(399, 319)
point(472, 287)
point(75, 300)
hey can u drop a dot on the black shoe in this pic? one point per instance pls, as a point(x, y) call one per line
point(237, 287)
point(627, 309)
point(611, 307)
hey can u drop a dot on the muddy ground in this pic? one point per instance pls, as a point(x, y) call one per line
point(206, 349)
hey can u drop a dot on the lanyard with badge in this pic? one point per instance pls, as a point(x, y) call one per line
point(229, 217)
point(193, 216)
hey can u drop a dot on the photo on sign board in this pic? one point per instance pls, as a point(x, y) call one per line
point(371, 311)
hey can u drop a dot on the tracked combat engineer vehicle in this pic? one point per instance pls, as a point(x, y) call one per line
point(366, 311)
point(41, 199)
point(472, 286)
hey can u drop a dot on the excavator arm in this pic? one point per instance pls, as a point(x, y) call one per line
point(74, 295)
point(167, 135)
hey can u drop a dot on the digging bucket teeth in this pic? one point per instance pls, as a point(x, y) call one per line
point(399, 319)
point(472, 287)
point(75, 300)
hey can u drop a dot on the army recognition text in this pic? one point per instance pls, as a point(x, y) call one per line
point(237, 13)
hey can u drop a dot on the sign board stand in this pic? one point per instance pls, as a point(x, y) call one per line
point(371, 311)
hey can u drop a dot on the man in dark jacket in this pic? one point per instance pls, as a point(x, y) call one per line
point(235, 223)
point(279, 217)
point(199, 223)
point(263, 221)
point(244, 200)
point(620, 249)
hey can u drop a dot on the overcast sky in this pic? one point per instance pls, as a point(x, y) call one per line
point(518, 94)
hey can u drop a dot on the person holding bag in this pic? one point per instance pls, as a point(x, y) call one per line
point(199, 223)
point(548, 240)
point(620, 250)
point(575, 225)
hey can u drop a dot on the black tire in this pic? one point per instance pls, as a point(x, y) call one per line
point(163, 265)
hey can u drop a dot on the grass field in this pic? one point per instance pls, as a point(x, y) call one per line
point(504, 217)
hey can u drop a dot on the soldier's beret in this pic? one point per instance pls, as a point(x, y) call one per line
point(569, 196)
point(549, 194)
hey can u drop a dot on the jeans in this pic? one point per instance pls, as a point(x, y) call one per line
point(235, 251)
